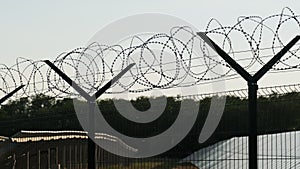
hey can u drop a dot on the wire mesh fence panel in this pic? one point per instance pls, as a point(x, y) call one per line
point(278, 140)
point(278, 128)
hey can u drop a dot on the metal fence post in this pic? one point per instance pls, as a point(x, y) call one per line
point(92, 103)
point(252, 107)
point(91, 144)
point(252, 89)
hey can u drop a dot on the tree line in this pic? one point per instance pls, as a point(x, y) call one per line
point(276, 113)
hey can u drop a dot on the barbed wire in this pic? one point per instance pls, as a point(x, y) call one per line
point(243, 93)
point(178, 58)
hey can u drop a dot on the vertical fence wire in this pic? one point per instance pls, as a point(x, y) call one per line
point(278, 140)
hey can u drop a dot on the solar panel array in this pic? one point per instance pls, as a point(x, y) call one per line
point(281, 150)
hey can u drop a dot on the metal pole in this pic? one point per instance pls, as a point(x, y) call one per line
point(14, 161)
point(28, 160)
point(91, 144)
point(56, 156)
point(252, 107)
point(80, 155)
point(70, 157)
point(75, 156)
point(49, 158)
point(91, 152)
point(39, 159)
point(64, 164)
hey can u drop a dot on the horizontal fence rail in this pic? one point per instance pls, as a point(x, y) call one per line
point(278, 140)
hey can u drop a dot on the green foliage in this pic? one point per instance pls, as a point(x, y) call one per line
point(38, 112)
point(276, 113)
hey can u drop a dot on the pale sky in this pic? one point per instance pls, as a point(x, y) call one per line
point(43, 29)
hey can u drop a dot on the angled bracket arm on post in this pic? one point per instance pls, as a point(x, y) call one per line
point(11, 93)
point(275, 59)
point(112, 81)
point(241, 70)
point(68, 80)
point(80, 90)
point(225, 56)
